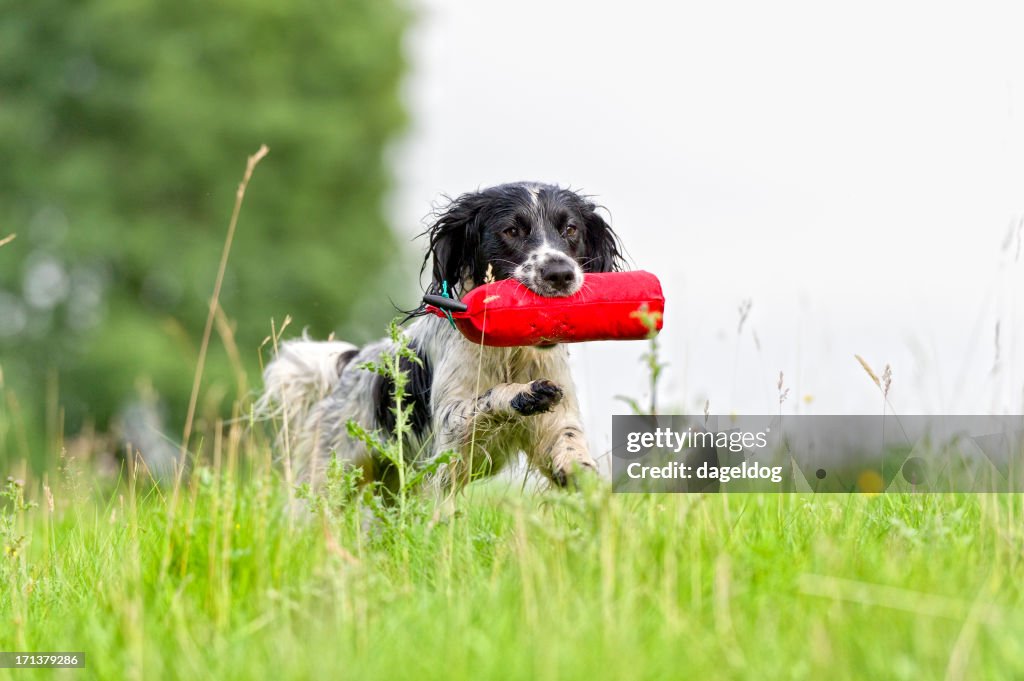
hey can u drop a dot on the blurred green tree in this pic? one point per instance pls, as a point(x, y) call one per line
point(124, 128)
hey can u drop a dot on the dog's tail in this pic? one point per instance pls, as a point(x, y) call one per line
point(303, 373)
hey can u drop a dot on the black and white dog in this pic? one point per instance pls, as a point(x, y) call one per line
point(485, 404)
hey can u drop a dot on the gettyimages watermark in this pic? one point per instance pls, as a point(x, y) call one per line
point(858, 454)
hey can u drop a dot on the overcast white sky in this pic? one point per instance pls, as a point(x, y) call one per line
point(852, 170)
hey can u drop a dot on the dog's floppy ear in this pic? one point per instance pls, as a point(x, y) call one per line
point(604, 253)
point(454, 240)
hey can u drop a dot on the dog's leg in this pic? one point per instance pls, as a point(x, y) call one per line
point(478, 427)
point(560, 449)
point(502, 403)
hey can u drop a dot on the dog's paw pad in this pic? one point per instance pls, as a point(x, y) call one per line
point(541, 396)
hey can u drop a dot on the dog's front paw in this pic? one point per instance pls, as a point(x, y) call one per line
point(568, 471)
point(540, 396)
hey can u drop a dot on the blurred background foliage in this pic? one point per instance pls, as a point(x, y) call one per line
point(124, 129)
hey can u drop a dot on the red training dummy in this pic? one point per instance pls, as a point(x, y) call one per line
point(609, 306)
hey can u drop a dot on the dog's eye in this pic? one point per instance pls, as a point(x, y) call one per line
point(570, 231)
point(513, 232)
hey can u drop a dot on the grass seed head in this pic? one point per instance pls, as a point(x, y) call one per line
point(867, 368)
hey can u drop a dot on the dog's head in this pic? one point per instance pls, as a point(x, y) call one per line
point(543, 236)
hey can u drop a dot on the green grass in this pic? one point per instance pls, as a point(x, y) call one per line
point(224, 583)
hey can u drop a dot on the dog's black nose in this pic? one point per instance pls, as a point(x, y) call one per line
point(559, 274)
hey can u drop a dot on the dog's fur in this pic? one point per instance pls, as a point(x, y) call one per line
point(486, 404)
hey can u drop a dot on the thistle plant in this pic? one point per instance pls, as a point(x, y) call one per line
point(392, 450)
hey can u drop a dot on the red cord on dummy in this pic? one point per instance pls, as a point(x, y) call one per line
point(609, 306)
